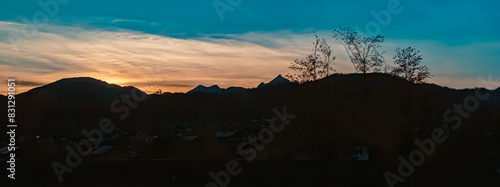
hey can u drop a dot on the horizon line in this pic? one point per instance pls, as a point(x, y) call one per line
point(123, 85)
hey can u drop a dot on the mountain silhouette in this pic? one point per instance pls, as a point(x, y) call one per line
point(379, 111)
point(215, 89)
point(333, 116)
point(279, 80)
point(71, 88)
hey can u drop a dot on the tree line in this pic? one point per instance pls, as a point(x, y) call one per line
point(365, 55)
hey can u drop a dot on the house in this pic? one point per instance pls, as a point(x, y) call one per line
point(224, 134)
point(361, 153)
point(187, 135)
point(102, 149)
point(97, 151)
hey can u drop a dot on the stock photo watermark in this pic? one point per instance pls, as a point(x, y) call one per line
point(221, 7)
point(426, 147)
point(11, 127)
point(382, 18)
point(31, 27)
point(84, 148)
point(264, 136)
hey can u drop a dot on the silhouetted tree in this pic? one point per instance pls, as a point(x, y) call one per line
point(316, 65)
point(408, 65)
point(327, 61)
point(159, 92)
point(362, 50)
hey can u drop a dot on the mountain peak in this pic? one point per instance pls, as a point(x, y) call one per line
point(211, 89)
point(77, 83)
point(78, 87)
point(279, 80)
point(214, 87)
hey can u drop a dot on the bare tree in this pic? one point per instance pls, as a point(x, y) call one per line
point(316, 65)
point(408, 65)
point(327, 61)
point(159, 92)
point(362, 50)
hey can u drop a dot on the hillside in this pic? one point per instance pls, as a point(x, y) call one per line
point(385, 113)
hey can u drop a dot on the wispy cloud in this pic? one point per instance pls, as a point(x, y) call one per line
point(130, 57)
point(153, 62)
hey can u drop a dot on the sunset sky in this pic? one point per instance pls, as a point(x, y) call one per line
point(177, 45)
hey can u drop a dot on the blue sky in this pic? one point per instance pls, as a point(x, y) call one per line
point(459, 40)
point(446, 21)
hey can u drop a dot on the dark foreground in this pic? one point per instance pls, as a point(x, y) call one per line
point(257, 173)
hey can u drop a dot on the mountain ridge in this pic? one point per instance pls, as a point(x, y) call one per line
point(378, 111)
point(278, 80)
point(215, 89)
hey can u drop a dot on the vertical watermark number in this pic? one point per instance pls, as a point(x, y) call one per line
point(11, 127)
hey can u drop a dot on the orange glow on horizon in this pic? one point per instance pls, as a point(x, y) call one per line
point(153, 62)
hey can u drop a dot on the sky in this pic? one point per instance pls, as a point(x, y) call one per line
point(177, 45)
